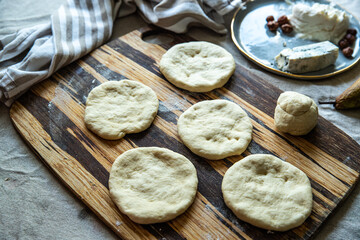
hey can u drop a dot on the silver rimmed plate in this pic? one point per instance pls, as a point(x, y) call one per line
point(251, 35)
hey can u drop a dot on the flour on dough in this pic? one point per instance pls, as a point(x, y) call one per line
point(116, 108)
point(197, 66)
point(152, 185)
point(215, 129)
point(263, 190)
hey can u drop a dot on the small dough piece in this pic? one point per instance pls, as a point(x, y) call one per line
point(116, 108)
point(295, 113)
point(152, 185)
point(197, 66)
point(215, 129)
point(268, 193)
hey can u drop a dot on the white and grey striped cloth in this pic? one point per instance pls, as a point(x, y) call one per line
point(33, 54)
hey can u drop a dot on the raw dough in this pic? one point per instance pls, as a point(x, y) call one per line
point(116, 108)
point(295, 113)
point(197, 66)
point(267, 192)
point(152, 185)
point(215, 129)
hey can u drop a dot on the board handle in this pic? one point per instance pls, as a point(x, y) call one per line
point(156, 35)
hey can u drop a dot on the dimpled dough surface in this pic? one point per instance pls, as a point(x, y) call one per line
point(116, 108)
point(215, 129)
point(265, 191)
point(197, 66)
point(152, 185)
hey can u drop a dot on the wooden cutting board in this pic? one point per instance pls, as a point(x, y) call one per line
point(50, 119)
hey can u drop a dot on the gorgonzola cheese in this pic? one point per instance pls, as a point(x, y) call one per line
point(307, 58)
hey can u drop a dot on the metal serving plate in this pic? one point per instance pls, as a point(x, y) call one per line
point(251, 35)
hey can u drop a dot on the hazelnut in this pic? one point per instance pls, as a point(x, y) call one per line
point(350, 38)
point(286, 28)
point(343, 43)
point(351, 31)
point(270, 18)
point(348, 52)
point(283, 20)
point(272, 25)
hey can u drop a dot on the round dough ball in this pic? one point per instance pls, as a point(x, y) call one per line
point(295, 113)
point(152, 185)
point(215, 129)
point(116, 108)
point(197, 66)
point(268, 193)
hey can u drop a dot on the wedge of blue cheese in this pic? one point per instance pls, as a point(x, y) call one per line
point(307, 58)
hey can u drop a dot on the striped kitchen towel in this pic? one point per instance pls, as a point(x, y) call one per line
point(82, 25)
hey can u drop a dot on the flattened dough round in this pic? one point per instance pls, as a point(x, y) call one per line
point(268, 193)
point(197, 66)
point(215, 129)
point(152, 185)
point(116, 108)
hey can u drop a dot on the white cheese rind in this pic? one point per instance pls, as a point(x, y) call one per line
point(307, 58)
point(319, 22)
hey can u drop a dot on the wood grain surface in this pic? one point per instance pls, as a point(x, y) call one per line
point(50, 119)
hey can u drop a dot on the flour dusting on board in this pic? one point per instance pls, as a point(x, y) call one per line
point(174, 103)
